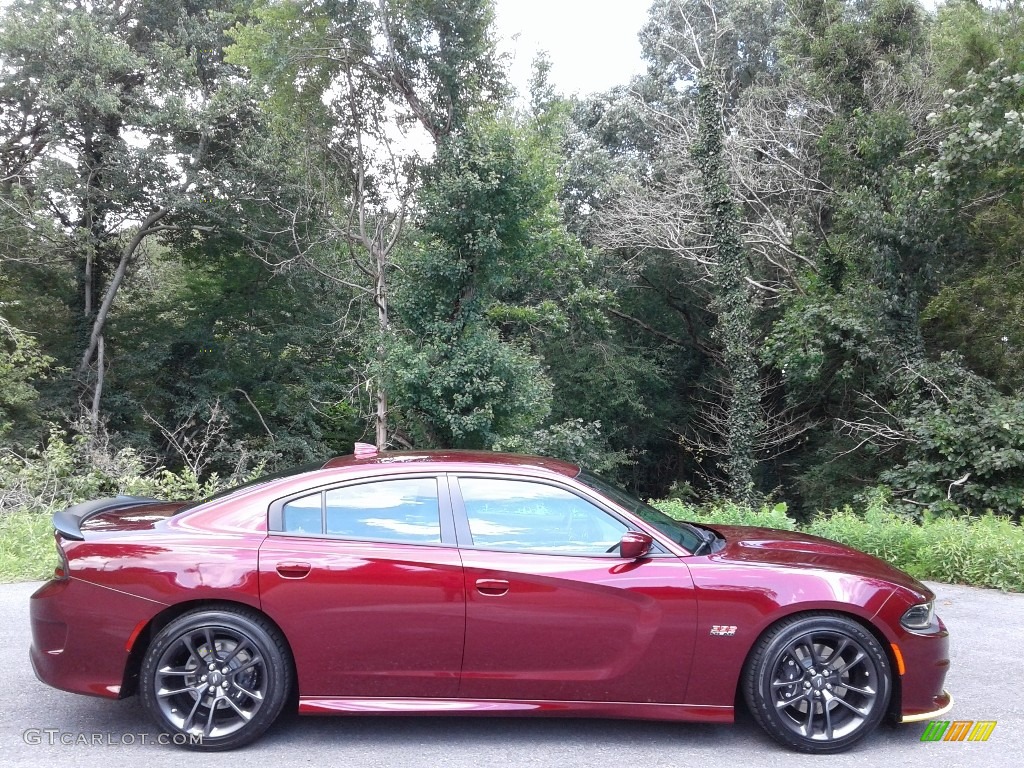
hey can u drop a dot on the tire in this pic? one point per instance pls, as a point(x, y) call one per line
point(216, 679)
point(818, 682)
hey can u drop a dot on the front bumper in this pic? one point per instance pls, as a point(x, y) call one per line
point(922, 686)
point(943, 709)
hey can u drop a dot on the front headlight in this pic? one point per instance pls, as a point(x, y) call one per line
point(919, 617)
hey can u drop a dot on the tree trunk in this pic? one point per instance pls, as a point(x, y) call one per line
point(380, 296)
point(733, 301)
point(115, 283)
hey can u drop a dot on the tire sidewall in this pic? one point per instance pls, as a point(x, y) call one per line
point(759, 676)
point(262, 636)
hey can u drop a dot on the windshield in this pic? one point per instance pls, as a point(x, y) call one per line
point(681, 533)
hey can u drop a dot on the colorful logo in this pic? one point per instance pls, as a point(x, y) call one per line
point(958, 730)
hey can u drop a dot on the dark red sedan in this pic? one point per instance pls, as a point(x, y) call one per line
point(475, 584)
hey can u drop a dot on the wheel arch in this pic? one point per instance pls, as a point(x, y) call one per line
point(798, 611)
point(145, 637)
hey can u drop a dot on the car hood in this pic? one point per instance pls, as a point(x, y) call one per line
point(800, 550)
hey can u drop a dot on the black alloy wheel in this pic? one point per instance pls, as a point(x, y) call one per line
point(216, 679)
point(818, 682)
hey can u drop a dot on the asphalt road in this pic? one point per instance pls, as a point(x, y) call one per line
point(986, 679)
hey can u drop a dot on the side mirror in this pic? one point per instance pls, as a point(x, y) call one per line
point(634, 545)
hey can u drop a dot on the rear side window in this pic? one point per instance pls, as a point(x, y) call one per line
point(404, 511)
point(304, 515)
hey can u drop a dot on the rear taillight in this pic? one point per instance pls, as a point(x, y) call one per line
point(62, 571)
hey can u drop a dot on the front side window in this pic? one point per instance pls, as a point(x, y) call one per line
point(404, 510)
point(520, 515)
point(682, 533)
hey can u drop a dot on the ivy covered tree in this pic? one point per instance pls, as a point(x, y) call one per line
point(489, 275)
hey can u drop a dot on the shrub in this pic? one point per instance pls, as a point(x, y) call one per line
point(984, 551)
point(26, 546)
point(728, 513)
point(878, 532)
point(69, 470)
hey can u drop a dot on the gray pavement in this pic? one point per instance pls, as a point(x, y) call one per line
point(986, 679)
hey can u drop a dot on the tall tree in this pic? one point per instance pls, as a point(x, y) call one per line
point(487, 278)
point(379, 86)
point(108, 117)
point(722, 196)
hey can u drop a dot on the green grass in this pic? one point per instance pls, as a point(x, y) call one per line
point(27, 551)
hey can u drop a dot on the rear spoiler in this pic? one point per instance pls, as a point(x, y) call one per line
point(69, 522)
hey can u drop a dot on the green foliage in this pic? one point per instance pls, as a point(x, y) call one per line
point(968, 36)
point(466, 391)
point(22, 364)
point(837, 46)
point(27, 549)
point(965, 447)
point(826, 339)
point(574, 441)
point(489, 275)
point(981, 316)
point(729, 513)
point(69, 470)
point(983, 148)
point(879, 531)
point(986, 551)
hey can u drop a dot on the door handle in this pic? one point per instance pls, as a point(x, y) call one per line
point(293, 570)
point(492, 587)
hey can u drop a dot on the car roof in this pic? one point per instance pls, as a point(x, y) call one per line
point(453, 458)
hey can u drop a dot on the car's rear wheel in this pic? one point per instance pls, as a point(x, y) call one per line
point(818, 682)
point(216, 679)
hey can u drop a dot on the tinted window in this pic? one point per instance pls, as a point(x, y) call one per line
point(521, 515)
point(398, 510)
point(392, 510)
point(303, 515)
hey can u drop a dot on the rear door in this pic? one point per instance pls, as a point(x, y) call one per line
point(366, 583)
point(551, 613)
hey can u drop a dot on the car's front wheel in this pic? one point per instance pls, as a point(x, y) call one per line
point(216, 679)
point(818, 682)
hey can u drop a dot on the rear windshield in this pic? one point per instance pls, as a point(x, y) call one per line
point(311, 467)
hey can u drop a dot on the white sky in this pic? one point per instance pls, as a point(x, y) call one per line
point(592, 43)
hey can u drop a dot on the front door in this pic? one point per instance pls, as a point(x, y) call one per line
point(552, 613)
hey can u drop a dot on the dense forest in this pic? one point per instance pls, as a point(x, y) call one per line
point(785, 262)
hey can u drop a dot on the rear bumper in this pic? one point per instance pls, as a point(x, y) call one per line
point(80, 633)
